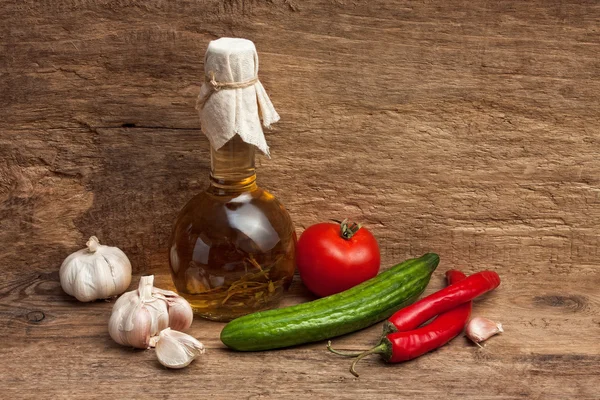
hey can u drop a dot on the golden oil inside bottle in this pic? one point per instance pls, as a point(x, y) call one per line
point(233, 246)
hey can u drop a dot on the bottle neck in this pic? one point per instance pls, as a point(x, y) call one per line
point(232, 167)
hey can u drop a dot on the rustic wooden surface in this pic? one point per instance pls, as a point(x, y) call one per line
point(468, 128)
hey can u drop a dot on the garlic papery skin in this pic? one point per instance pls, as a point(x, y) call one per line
point(141, 314)
point(177, 350)
point(480, 329)
point(96, 272)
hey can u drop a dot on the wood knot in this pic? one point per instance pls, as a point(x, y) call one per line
point(35, 316)
point(572, 302)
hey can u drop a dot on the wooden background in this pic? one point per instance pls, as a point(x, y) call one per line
point(468, 128)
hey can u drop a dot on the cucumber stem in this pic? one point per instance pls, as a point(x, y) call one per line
point(379, 349)
point(341, 353)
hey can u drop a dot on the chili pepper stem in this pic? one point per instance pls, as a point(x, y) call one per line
point(381, 348)
point(388, 328)
point(341, 353)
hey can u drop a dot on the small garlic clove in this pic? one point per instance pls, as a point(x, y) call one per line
point(176, 349)
point(139, 336)
point(180, 314)
point(84, 287)
point(119, 316)
point(480, 329)
point(180, 311)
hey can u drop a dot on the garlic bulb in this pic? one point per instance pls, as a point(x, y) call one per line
point(480, 329)
point(96, 272)
point(139, 315)
point(177, 350)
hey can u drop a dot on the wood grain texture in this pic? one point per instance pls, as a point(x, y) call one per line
point(466, 128)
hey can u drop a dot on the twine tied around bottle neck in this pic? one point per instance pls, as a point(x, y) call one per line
point(215, 86)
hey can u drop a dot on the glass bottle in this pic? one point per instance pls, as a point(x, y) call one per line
point(232, 250)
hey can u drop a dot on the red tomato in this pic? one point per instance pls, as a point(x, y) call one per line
point(332, 257)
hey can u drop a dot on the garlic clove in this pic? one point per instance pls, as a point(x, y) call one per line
point(176, 349)
point(116, 327)
point(117, 273)
point(480, 329)
point(139, 337)
point(84, 288)
point(181, 314)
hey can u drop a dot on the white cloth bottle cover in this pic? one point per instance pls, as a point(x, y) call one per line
point(232, 100)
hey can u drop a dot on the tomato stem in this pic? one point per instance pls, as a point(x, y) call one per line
point(348, 229)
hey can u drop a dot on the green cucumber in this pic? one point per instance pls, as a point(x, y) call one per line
point(356, 308)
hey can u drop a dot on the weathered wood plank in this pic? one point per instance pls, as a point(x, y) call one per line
point(67, 340)
point(465, 128)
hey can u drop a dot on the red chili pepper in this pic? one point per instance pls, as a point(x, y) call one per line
point(448, 325)
point(404, 346)
point(416, 314)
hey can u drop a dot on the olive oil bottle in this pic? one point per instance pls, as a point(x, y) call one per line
point(232, 249)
